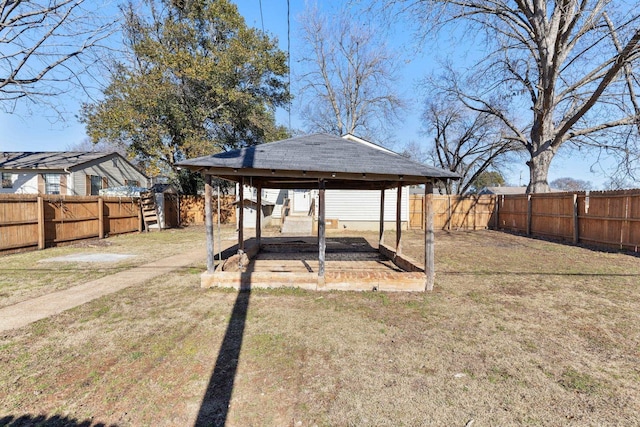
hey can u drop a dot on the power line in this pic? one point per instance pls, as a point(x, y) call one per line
point(289, 55)
point(261, 17)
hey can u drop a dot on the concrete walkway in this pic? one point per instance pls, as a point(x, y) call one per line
point(29, 311)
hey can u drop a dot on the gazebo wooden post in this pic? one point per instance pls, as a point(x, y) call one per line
point(241, 215)
point(398, 220)
point(429, 238)
point(322, 244)
point(258, 214)
point(381, 240)
point(208, 221)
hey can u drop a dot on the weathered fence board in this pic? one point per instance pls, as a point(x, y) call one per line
point(610, 218)
point(32, 221)
point(454, 212)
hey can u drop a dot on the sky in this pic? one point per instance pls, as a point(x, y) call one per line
point(30, 128)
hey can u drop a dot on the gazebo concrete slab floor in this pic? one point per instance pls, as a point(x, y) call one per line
point(350, 264)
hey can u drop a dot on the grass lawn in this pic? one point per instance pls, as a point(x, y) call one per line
point(516, 332)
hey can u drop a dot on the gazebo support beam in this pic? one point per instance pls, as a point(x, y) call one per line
point(399, 221)
point(322, 243)
point(241, 215)
point(258, 215)
point(208, 221)
point(429, 238)
point(381, 239)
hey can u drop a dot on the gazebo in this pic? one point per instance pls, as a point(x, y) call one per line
point(318, 161)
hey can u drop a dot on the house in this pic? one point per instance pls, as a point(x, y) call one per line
point(503, 191)
point(509, 191)
point(69, 173)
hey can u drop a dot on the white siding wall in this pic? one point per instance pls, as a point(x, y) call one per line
point(364, 205)
point(276, 197)
point(23, 183)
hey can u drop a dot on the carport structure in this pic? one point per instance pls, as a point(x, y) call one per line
point(319, 161)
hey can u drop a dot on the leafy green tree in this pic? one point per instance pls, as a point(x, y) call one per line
point(487, 179)
point(199, 82)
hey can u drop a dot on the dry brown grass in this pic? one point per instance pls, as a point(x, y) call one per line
point(517, 332)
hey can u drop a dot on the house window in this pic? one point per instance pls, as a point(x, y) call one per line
point(51, 183)
point(132, 182)
point(7, 181)
point(96, 183)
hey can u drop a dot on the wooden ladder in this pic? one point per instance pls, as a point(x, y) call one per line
point(149, 209)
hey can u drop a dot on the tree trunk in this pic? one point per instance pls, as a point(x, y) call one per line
point(538, 171)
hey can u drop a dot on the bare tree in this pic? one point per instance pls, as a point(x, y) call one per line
point(571, 184)
point(569, 67)
point(348, 82)
point(464, 141)
point(46, 46)
point(102, 146)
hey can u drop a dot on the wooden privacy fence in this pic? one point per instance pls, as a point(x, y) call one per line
point(454, 212)
point(610, 218)
point(32, 221)
point(192, 210)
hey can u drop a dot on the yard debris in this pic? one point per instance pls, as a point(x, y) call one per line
point(236, 262)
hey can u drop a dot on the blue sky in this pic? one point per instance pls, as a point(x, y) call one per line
point(31, 128)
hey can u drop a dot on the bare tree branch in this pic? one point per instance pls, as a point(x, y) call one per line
point(567, 68)
point(46, 46)
point(347, 85)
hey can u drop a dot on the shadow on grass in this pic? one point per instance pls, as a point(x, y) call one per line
point(214, 408)
point(533, 273)
point(48, 421)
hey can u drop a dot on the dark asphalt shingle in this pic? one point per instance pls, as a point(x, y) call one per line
point(319, 153)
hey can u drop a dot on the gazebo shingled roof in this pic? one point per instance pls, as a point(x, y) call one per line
point(319, 161)
point(299, 162)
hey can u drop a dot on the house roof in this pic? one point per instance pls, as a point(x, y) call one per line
point(503, 190)
point(47, 160)
point(303, 160)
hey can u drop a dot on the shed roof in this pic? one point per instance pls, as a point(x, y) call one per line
point(344, 162)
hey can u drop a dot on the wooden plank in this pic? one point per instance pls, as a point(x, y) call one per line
point(208, 221)
point(100, 218)
point(322, 243)
point(41, 225)
point(259, 215)
point(429, 238)
point(398, 220)
point(529, 214)
point(241, 216)
point(576, 219)
point(381, 235)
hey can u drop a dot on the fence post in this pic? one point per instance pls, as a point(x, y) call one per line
point(496, 210)
point(429, 238)
point(41, 228)
point(140, 218)
point(624, 227)
point(529, 214)
point(576, 225)
point(100, 218)
point(449, 213)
